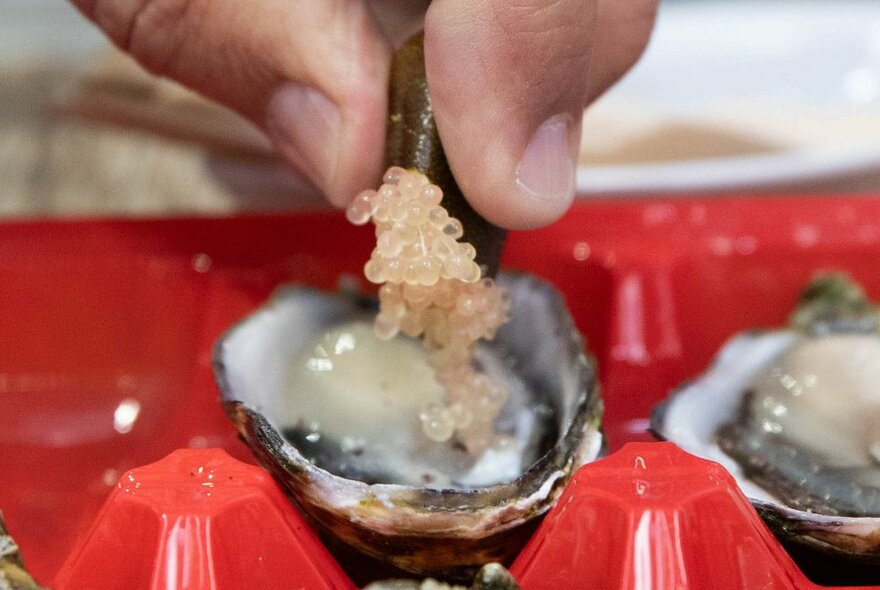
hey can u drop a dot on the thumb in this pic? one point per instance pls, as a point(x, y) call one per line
point(313, 75)
point(509, 82)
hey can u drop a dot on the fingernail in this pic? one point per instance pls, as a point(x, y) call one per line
point(304, 125)
point(546, 170)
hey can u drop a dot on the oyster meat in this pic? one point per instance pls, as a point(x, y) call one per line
point(809, 427)
point(794, 414)
point(352, 407)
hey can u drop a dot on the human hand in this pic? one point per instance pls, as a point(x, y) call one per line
point(509, 80)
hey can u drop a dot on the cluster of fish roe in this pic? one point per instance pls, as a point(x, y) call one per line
point(433, 289)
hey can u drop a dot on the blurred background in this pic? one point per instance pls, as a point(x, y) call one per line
point(737, 96)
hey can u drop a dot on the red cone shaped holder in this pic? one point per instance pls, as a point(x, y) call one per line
point(654, 517)
point(199, 520)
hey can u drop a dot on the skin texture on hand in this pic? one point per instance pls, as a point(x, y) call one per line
point(509, 80)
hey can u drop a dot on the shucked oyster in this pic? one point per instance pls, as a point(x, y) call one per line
point(355, 459)
point(794, 414)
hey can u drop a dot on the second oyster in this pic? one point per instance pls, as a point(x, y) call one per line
point(794, 415)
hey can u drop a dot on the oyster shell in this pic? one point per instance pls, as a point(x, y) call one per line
point(441, 530)
point(492, 576)
point(794, 415)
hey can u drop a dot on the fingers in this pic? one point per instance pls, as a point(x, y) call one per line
point(312, 74)
point(509, 81)
point(623, 31)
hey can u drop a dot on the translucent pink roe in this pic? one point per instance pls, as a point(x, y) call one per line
point(433, 289)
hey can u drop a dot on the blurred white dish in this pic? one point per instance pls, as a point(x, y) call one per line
point(737, 95)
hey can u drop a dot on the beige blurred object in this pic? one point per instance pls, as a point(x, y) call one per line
point(113, 140)
point(237, 157)
point(673, 142)
point(51, 167)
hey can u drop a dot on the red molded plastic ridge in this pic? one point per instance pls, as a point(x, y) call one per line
point(654, 517)
point(200, 520)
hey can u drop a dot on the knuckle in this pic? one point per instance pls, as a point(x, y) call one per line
point(630, 24)
point(158, 31)
point(625, 29)
point(150, 30)
point(548, 45)
point(116, 17)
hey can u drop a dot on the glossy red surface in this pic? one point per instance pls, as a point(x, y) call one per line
point(107, 326)
point(652, 516)
point(200, 520)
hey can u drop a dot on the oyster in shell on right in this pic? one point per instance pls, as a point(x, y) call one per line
point(794, 415)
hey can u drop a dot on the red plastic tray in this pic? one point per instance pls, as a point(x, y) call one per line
point(105, 321)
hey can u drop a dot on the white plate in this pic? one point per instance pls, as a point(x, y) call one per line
point(802, 76)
